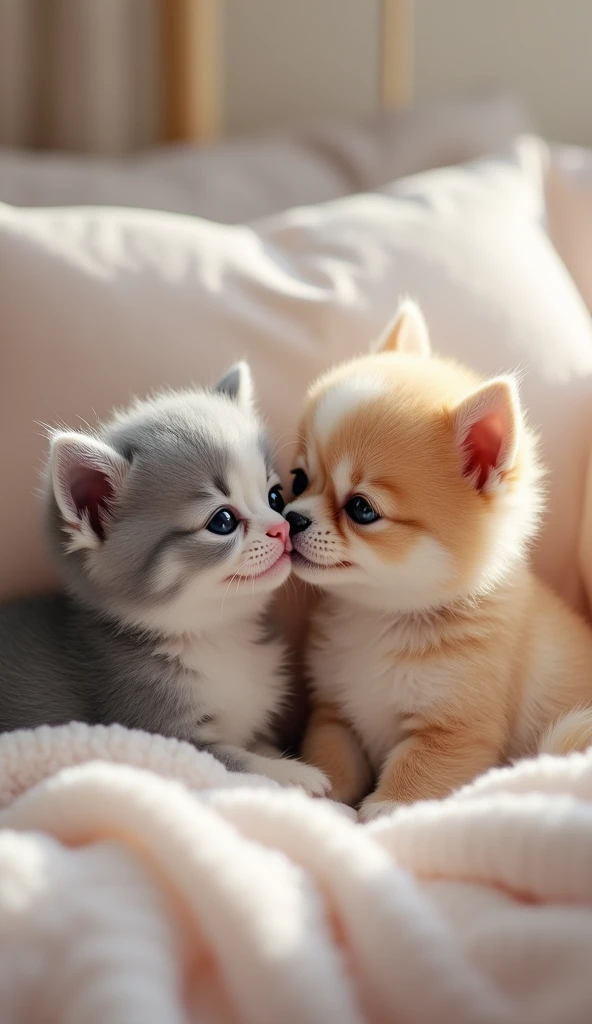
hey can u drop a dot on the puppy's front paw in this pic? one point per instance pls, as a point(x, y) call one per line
point(291, 772)
point(371, 808)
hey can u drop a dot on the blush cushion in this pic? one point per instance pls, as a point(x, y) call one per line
point(238, 180)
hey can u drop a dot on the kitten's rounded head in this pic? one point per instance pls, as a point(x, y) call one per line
point(170, 515)
point(415, 483)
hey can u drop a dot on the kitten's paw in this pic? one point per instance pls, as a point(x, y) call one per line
point(291, 772)
point(371, 809)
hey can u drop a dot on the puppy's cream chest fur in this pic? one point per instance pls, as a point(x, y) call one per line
point(234, 677)
point(362, 664)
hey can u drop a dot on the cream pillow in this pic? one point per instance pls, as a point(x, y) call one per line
point(99, 304)
point(240, 179)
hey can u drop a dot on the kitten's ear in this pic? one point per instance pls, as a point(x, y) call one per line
point(86, 476)
point(487, 427)
point(407, 333)
point(237, 383)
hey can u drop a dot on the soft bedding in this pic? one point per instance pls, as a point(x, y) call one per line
point(150, 885)
point(238, 180)
point(139, 881)
point(99, 304)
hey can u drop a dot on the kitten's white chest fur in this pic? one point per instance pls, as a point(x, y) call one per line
point(232, 677)
point(357, 667)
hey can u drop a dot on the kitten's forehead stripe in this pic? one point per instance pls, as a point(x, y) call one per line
point(221, 484)
point(265, 449)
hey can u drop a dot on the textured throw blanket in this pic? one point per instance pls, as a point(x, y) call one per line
point(140, 883)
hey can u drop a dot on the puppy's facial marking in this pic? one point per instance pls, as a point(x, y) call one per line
point(335, 405)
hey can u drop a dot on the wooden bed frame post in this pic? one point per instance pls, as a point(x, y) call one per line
point(193, 65)
point(193, 68)
point(396, 75)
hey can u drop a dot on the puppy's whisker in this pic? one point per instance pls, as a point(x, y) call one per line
point(295, 438)
point(279, 450)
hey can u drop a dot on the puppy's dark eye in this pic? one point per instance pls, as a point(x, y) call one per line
point(223, 521)
point(300, 482)
point(361, 511)
point(275, 499)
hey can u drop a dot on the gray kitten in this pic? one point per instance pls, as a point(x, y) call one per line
point(166, 525)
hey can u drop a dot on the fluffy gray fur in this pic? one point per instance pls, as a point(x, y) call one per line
point(160, 624)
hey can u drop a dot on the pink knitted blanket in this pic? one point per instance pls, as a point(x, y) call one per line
point(140, 883)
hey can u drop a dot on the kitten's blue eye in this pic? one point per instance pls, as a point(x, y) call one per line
point(275, 499)
point(300, 482)
point(361, 511)
point(223, 521)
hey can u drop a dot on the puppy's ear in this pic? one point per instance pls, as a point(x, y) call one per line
point(237, 384)
point(487, 429)
point(86, 477)
point(407, 333)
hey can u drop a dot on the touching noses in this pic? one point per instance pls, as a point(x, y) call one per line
point(298, 522)
point(282, 532)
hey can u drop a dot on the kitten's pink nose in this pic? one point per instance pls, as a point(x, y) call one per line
point(282, 532)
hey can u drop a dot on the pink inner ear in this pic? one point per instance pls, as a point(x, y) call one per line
point(482, 446)
point(91, 492)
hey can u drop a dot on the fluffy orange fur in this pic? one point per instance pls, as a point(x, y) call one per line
point(437, 653)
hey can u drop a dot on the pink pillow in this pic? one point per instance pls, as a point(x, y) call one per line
point(239, 179)
point(99, 304)
point(568, 187)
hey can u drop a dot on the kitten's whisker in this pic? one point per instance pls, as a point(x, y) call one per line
point(235, 576)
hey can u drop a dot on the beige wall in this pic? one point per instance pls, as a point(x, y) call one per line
point(84, 74)
point(539, 49)
point(290, 61)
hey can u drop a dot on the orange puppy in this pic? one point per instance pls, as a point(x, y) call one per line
point(436, 653)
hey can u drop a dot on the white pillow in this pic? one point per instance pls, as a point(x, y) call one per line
point(99, 304)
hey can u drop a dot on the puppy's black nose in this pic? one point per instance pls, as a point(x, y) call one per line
point(297, 522)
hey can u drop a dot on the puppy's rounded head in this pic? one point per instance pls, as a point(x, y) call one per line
point(415, 483)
